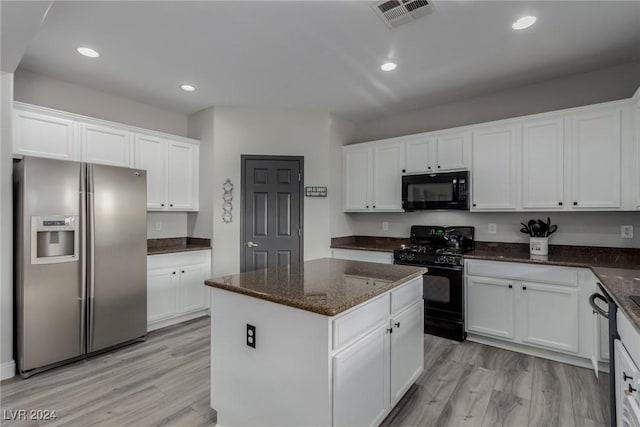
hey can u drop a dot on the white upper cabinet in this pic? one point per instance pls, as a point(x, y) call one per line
point(183, 176)
point(357, 177)
point(152, 154)
point(372, 177)
point(171, 162)
point(387, 176)
point(452, 151)
point(494, 168)
point(543, 164)
point(418, 155)
point(596, 145)
point(105, 145)
point(438, 153)
point(43, 135)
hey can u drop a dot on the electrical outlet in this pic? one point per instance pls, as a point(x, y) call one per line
point(251, 335)
point(626, 231)
point(493, 229)
point(385, 226)
point(158, 226)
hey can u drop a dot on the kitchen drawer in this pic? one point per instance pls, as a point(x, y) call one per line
point(406, 295)
point(524, 272)
point(629, 336)
point(359, 321)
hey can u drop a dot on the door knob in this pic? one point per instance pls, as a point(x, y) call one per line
point(251, 245)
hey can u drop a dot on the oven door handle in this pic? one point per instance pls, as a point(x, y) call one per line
point(596, 307)
point(434, 267)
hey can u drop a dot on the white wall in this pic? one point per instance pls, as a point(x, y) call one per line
point(200, 224)
point(601, 85)
point(172, 224)
point(42, 90)
point(7, 365)
point(315, 135)
point(574, 228)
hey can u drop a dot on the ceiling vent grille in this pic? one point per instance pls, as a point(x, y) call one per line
point(399, 12)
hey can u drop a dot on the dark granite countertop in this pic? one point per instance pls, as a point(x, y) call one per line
point(617, 268)
point(369, 243)
point(176, 244)
point(570, 256)
point(621, 284)
point(325, 286)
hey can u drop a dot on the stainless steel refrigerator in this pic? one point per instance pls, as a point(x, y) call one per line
point(80, 250)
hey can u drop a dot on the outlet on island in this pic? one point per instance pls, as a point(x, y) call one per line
point(493, 229)
point(626, 231)
point(251, 335)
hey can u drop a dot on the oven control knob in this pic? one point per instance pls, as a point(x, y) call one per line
point(442, 260)
point(403, 255)
point(451, 260)
point(410, 257)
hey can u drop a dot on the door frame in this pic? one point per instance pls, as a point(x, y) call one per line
point(243, 164)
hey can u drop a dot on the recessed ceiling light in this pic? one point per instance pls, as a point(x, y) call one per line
point(88, 52)
point(524, 22)
point(388, 66)
point(188, 88)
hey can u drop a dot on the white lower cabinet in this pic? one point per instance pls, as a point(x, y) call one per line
point(175, 287)
point(550, 316)
point(407, 353)
point(361, 381)
point(382, 355)
point(529, 306)
point(484, 294)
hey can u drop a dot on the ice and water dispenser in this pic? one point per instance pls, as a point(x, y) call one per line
point(54, 239)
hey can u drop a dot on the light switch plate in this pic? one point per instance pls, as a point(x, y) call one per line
point(626, 231)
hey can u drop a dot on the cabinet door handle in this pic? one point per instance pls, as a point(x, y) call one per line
point(367, 206)
point(575, 203)
point(397, 324)
point(374, 206)
point(559, 203)
point(474, 205)
point(171, 205)
point(510, 286)
point(182, 271)
point(404, 170)
point(428, 167)
point(631, 389)
point(625, 376)
point(524, 288)
point(173, 272)
point(162, 204)
point(390, 330)
point(438, 166)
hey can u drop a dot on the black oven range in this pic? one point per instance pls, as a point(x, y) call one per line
point(440, 249)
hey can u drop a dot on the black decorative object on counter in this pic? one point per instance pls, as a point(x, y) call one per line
point(539, 228)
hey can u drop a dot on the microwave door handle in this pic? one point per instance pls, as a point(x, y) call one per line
point(455, 191)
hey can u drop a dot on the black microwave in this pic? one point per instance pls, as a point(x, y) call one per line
point(435, 191)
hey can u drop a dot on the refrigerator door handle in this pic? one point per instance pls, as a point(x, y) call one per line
point(83, 258)
point(91, 255)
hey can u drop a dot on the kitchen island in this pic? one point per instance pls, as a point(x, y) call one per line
point(326, 342)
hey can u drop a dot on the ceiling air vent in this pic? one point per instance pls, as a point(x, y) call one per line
point(399, 12)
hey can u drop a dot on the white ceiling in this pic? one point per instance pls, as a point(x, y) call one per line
point(325, 55)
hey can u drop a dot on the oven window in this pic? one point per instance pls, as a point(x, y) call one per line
point(436, 288)
point(430, 192)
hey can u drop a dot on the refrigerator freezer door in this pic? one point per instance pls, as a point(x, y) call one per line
point(117, 246)
point(49, 296)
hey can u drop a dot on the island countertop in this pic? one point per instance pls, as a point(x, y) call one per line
point(325, 286)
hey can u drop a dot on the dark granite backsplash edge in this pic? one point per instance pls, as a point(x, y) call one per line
point(168, 242)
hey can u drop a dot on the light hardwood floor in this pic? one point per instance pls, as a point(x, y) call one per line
point(165, 382)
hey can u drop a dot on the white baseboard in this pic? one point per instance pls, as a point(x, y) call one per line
point(7, 369)
point(538, 352)
point(178, 319)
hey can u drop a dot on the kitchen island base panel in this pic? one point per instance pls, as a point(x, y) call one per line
point(285, 380)
point(312, 369)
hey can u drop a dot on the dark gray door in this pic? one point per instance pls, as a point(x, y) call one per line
point(271, 211)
